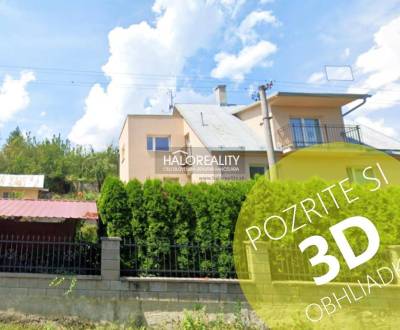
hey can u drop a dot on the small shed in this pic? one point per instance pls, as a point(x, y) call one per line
point(22, 185)
point(51, 218)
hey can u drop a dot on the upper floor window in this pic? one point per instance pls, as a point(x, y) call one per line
point(158, 143)
point(306, 131)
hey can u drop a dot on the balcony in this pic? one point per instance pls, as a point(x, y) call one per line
point(299, 136)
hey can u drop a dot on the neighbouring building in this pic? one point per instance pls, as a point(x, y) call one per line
point(21, 186)
point(217, 131)
point(45, 218)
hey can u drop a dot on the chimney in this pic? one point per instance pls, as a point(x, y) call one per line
point(220, 95)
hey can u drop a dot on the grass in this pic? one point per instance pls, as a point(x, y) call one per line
point(192, 320)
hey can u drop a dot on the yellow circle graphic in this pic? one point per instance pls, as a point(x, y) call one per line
point(318, 246)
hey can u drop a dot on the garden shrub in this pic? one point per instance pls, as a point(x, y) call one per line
point(158, 229)
point(114, 208)
point(197, 218)
point(198, 197)
point(87, 232)
point(180, 214)
point(134, 189)
point(270, 198)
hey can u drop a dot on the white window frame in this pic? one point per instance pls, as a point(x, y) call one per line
point(154, 137)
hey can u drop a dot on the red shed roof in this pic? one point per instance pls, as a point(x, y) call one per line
point(48, 209)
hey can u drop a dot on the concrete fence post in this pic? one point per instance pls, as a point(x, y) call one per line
point(110, 258)
point(258, 262)
point(394, 251)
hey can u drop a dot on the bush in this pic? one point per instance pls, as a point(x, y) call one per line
point(87, 232)
point(180, 214)
point(114, 208)
point(158, 224)
point(271, 198)
point(134, 190)
point(159, 214)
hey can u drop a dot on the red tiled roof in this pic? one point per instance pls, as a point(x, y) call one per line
point(48, 209)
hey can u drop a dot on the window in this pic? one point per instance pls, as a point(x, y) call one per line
point(158, 143)
point(355, 174)
point(123, 154)
point(256, 169)
point(9, 195)
point(305, 131)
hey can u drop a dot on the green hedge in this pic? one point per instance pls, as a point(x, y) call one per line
point(157, 214)
point(382, 207)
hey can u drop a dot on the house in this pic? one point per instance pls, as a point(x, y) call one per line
point(44, 218)
point(21, 186)
point(207, 142)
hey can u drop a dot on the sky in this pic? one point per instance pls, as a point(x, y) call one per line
point(77, 68)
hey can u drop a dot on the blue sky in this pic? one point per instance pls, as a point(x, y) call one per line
point(77, 68)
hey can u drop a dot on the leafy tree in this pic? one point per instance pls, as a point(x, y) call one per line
point(66, 167)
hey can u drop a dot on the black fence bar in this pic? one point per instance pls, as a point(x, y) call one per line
point(299, 136)
point(290, 264)
point(193, 260)
point(49, 255)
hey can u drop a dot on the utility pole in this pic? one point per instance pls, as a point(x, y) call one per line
point(267, 130)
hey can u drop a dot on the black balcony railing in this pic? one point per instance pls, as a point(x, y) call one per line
point(300, 136)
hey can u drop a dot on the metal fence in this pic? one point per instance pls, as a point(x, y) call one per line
point(50, 255)
point(177, 260)
point(290, 264)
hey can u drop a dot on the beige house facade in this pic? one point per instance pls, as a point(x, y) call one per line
point(215, 131)
point(21, 186)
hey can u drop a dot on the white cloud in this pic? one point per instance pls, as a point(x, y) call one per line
point(161, 50)
point(346, 53)
point(379, 68)
point(233, 6)
point(377, 125)
point(237, 66)
point(45, 131)
point(43, 114)
point(188, 95)
point(246, 31)
point(13, 96)
point(263, 2)
point(317, 78)
point(382, 61)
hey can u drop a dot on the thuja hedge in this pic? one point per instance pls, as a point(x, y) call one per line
point(198, 218)
point(267, 198)
point(156, 215)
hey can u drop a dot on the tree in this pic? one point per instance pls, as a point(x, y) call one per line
point(158, 229)
point(135, 199)
point(114, 208)
point(62, 164)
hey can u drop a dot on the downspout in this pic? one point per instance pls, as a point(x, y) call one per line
point(364, 100)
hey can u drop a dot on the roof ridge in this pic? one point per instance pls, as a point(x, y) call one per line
point(47, 200)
